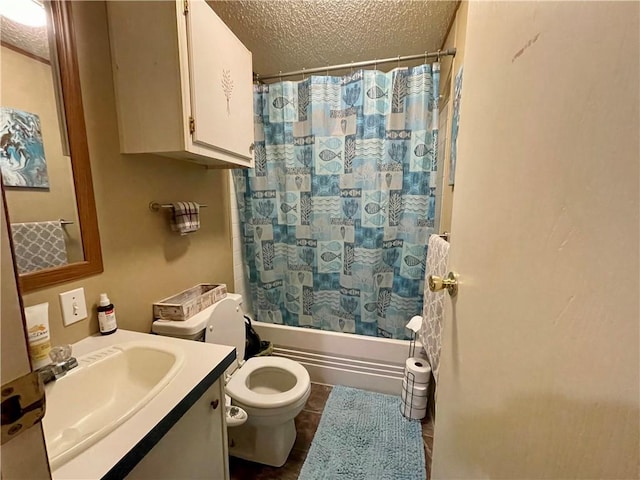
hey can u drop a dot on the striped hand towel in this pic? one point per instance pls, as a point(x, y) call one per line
point(185, 218)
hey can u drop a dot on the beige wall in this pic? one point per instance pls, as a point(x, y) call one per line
point(449, 69)
point(540, 362)
point(143, 260)
point(27, 84)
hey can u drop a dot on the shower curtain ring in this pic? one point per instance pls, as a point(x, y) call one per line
point(304, 77)
point(398, 64)
point(425, 56)
point(351, 67)
point(375, 64)
point(280, 75)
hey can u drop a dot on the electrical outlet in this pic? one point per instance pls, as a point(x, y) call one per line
point(73, 305)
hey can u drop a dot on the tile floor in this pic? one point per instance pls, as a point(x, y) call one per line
point(306, 425)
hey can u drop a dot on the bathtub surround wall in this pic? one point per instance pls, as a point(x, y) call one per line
point(359, 361)
point(143, 260)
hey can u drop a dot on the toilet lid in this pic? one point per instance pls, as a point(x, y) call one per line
point(239, 390)
point(225, 325)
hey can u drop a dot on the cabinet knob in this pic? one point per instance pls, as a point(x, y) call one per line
point(214, 404)
point(252, 147)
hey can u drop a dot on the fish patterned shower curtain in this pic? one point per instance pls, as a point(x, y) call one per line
point(336, 214)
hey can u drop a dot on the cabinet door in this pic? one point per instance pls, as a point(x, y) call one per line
point(221, 84)
point(195, 447)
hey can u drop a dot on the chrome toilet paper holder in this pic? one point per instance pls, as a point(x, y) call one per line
point(450, 282)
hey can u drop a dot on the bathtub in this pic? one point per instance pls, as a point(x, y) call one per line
point(370, 363)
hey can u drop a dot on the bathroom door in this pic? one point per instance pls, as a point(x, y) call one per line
point(24, 456)
point(540, 365)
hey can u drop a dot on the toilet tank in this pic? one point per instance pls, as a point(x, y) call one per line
point(225, 324)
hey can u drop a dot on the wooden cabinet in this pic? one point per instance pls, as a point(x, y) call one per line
point(183, 83)
point(195, 447)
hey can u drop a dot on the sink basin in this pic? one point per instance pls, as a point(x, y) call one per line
point(107, 388)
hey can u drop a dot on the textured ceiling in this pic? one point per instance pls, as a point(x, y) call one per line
point(286, 35)
point(31, 39)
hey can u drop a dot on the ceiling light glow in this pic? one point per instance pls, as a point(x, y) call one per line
point(26, 12)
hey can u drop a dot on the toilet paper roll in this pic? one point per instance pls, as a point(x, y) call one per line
point(417, 390)
point(415, 401)
point(411, 379)
point(411, 412)
point(416, 398)
point(419, 368)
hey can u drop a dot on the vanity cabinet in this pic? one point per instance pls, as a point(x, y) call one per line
point(195, 447)
point(183, 83)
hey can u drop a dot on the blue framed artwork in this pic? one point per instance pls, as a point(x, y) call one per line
point(455, 125)
point(21, 150)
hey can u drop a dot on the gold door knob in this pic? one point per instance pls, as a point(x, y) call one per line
point(450, 282)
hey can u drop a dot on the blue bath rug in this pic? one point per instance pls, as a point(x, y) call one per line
point(363, 435)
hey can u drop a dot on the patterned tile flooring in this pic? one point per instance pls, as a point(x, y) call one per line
point(306, 425)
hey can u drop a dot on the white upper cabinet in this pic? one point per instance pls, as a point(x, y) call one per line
point(183, 83)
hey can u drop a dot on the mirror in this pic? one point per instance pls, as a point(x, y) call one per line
point(44, 155)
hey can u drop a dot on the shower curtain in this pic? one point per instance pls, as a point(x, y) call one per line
point(336, 214)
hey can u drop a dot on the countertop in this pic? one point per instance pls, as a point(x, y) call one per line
point(116, 454)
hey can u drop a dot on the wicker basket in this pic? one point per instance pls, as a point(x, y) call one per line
point(189, 302)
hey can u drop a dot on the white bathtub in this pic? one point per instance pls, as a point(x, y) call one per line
point(370, 363)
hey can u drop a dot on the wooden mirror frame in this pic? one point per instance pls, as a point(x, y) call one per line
point(65, 45)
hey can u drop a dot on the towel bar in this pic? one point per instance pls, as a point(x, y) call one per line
point(155, 206)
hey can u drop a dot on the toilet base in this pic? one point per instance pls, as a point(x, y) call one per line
point(268, 445)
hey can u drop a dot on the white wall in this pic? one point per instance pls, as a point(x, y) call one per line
point(540, 366)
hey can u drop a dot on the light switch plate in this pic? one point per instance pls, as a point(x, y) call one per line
point(73, 305)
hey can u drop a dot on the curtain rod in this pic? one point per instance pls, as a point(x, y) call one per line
point(425, 55)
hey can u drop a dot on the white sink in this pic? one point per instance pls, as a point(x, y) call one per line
point(107, 388)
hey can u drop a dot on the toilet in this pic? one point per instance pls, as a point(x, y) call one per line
point(271, 390)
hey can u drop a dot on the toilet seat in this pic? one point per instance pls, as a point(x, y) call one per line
point(238, 386)
point(266, 393)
